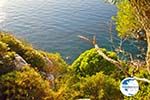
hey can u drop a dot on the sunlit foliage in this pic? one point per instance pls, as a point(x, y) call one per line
point(100, 87)
point(95, 87)
point(24, 85)
point(91, 62)
point(36, 85)
point(6, 58)
point(125, 20)
point(32, 56)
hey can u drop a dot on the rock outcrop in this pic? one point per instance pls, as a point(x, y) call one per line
point(19, 62)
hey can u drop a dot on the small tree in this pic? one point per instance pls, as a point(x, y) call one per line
point(138, 15)
point(142, 10)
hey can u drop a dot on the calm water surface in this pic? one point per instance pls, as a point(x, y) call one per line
point(53, 25)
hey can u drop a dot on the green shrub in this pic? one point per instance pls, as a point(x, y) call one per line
point(6, 59)
point(100, 87)
point(32, 56)
point(95, 87)
point(57, 66)
point(90, 62)
point(3, 47)
point(25, 85)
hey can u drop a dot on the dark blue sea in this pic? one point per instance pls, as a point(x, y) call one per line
point(53, 25)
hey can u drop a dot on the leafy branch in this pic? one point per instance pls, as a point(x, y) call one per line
point(117, 63)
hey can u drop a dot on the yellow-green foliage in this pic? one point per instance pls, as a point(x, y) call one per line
point(100, 87)
point(90, 75)
point(24, 85)
point(91, 62)
point(126, 21)
point(58, 66)
point(86, 80)
point(144, 92)
point(3, 47)
point(6, 58)
point(95, 87)
point(32, 56)
point(27, 84)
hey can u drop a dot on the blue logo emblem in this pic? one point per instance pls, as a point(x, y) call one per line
point(129, 86)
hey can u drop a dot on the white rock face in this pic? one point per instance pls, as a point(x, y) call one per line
point(19, 62)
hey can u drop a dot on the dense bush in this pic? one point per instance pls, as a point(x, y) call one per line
point(43, 62)
point(86, 80)
point(90, 62)
point(100, 87)
point(25, 85)
point(3, 47)
point(90, 75)
point(32, 56)
point(6, 59)
point(57, 66)
point(95, 87)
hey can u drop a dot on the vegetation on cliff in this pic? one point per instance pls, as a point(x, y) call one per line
point(27, 73)
point(26, 84)
point(30, 74)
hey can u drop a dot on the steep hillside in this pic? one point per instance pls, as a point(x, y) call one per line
point(26, 72)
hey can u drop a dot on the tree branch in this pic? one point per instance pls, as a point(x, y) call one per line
point(100, 52)
point(142, 79)
point(115, 62)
